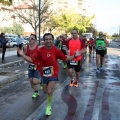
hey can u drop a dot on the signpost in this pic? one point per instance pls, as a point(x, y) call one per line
point(39, 20)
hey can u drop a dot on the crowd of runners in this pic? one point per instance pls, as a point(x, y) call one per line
point(44, 60)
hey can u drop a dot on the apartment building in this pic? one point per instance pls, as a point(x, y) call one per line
point(83, 7)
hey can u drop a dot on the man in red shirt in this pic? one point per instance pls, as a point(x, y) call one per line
point(49, 54)
point(33, 73)
point(75, 44)
point(91, 44)
point(84, 39)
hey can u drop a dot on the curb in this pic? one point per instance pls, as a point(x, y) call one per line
point(12, 78)
point(10, 63)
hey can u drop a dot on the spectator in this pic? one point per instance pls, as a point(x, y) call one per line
point(19, 43)
point(3, 42)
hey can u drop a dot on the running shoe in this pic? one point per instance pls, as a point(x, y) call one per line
point(35, 95)
point(76, 84)
point(102, 68)
point(65, 66)
point(48, 110)
point(97, 71)
point(71, 83)
point(41, 87)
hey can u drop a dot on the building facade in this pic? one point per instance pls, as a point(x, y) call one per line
point(83, 7)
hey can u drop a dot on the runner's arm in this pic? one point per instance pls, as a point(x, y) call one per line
point(84, 50)
point(107, 43)
point(24, 50)
point(63, 57)
point(27, 58)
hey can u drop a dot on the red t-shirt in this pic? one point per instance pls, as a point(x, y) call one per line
point(74, 45)
point(30, 53)
point(49, 61)
point(64, 42)
point(91, 43)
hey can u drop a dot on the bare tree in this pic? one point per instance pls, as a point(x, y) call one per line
point(28, 12)
point(30, 15)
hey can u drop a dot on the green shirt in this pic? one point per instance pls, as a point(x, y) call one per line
point(100, 44)
point(60, 45)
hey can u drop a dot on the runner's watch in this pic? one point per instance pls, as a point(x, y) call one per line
point(75, 56)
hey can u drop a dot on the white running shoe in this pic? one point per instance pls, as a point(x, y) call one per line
point(97, 71)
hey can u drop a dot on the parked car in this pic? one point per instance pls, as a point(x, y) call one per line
point(11, 42)
point(24, 42)
point(26, 37)
point(10, 35)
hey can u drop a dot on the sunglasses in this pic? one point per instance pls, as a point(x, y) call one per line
point(73, 33)
point(32, 38)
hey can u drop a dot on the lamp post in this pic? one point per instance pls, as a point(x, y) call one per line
point(39, 20)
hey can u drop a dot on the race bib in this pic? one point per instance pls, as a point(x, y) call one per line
point(32, 67)
point(48, 71)
point(99, 47)
point(72, 62)
point(64, 47)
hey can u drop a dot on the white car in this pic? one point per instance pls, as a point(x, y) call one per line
point(11, 42)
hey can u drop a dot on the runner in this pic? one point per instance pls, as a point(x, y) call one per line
point(64, 47)
point(73, 45)
point(105, 37)
point(58, 44)
point(85, 41)
point(83, 38)
point(101, 44)
point(33, 73)
point(91, 44)
point(48, 54)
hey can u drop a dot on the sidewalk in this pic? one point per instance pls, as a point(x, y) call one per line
point(10, 56)
point(7, 74)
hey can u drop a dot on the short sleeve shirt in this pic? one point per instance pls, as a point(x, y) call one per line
point(49, 59)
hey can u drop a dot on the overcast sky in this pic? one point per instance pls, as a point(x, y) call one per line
point(107, 15)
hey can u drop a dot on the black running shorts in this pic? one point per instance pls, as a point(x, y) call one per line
point(101, 52)
point(77, 67)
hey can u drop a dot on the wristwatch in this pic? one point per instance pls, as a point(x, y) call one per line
point(75, 56)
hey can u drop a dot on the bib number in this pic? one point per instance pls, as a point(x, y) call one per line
point(47, 71)
point(64, 47)
point(32, 67)
point(73, 62)
point(99, 47)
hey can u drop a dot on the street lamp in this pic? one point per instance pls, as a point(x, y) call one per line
point(39, 19)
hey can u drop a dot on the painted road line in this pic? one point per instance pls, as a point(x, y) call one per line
point(96, 113)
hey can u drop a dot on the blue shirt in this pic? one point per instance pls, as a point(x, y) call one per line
point(3, 40)
point(19, 40)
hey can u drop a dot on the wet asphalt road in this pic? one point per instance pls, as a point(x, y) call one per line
point(16, 102)
point(15, 98)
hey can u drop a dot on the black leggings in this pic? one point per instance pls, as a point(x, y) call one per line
point(3, 52)
point(20, 46)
